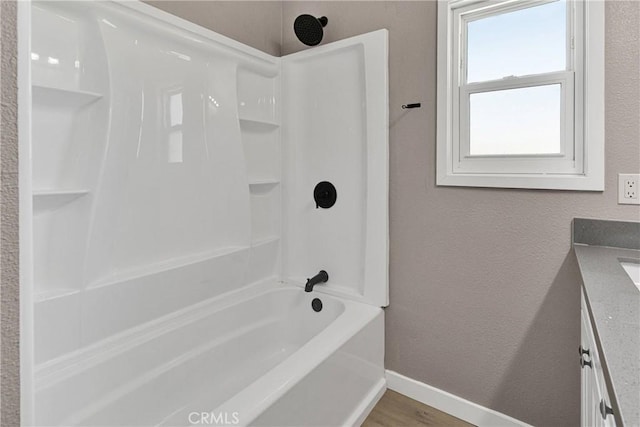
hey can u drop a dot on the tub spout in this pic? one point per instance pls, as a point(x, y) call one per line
point(321, 277)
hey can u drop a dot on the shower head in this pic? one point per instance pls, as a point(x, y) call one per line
point(309, 29)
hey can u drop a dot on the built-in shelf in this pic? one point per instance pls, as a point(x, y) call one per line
point(53, 199)
point(62, 98)
point(60, 193)
point(265, 181)
point(164, 266)
point(41, 296)
point(257, 125)
point(262, 185)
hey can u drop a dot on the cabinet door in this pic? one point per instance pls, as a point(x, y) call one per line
point(588, 379)
point(585, 391)
point(593, 401)
point(593, 386)
point(608, 420)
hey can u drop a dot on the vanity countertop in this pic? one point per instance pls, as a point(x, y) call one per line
point(614, 304)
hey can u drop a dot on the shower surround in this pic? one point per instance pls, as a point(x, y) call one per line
point(174, 223)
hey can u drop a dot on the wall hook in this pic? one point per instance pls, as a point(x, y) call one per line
point(414, 105)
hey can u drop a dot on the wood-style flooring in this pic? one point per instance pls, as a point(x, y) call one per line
point(397, 410)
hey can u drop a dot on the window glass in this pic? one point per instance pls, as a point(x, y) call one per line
point(515, 121)
point(518, 43)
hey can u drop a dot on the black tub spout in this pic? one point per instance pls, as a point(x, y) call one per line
point(321, 277)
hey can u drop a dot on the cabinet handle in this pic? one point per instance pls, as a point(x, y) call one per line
point(605, 410)
point(584, 363)
point(582, 351)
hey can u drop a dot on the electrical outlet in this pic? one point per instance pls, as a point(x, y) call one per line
point(628, 189)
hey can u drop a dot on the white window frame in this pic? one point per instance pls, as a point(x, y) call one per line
point(580, 164)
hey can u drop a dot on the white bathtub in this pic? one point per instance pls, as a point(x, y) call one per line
point(161, 244)
point(259, 356)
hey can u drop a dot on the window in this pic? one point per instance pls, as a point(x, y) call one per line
point(521, 94)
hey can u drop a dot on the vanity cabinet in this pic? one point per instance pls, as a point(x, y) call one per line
point(596, 406)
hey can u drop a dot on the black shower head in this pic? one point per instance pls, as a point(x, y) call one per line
point(309, 29)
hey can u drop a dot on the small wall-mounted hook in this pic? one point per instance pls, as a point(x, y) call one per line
point(414, 105)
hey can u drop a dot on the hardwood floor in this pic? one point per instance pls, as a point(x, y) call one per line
point(397, 410)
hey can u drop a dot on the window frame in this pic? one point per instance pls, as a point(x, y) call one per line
point(580, 164)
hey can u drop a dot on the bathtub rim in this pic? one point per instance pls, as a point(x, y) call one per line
point(74, 363)
point(353, 317)
point(77, 361)
point(267, 389)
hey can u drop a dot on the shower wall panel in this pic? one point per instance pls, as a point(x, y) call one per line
point(163, 183)
point(335, 126)
point(156, 170)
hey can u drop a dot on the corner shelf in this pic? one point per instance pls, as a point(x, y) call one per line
point(63, 98)
point(54, 199)
point(257, 125)
point(264, 181)
point(261, 186)
point(264, 241)
point(42, 296)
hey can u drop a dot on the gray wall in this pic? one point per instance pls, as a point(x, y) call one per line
point(484, 292)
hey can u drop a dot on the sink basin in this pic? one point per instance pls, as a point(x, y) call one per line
point(633, 270)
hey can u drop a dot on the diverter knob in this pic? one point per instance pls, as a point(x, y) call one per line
point(325, 195)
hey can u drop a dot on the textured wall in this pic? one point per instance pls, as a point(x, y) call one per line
point(484, 292)
point(9, 280)
point(255, 23)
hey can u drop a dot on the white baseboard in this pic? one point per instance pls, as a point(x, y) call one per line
point(366, 406)
point(449, 403)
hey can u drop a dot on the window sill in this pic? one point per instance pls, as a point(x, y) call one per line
point(526, 181)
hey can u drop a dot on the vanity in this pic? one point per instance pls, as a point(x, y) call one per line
point(608, 255)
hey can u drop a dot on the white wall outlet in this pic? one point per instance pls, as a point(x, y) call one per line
point(628, 191)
